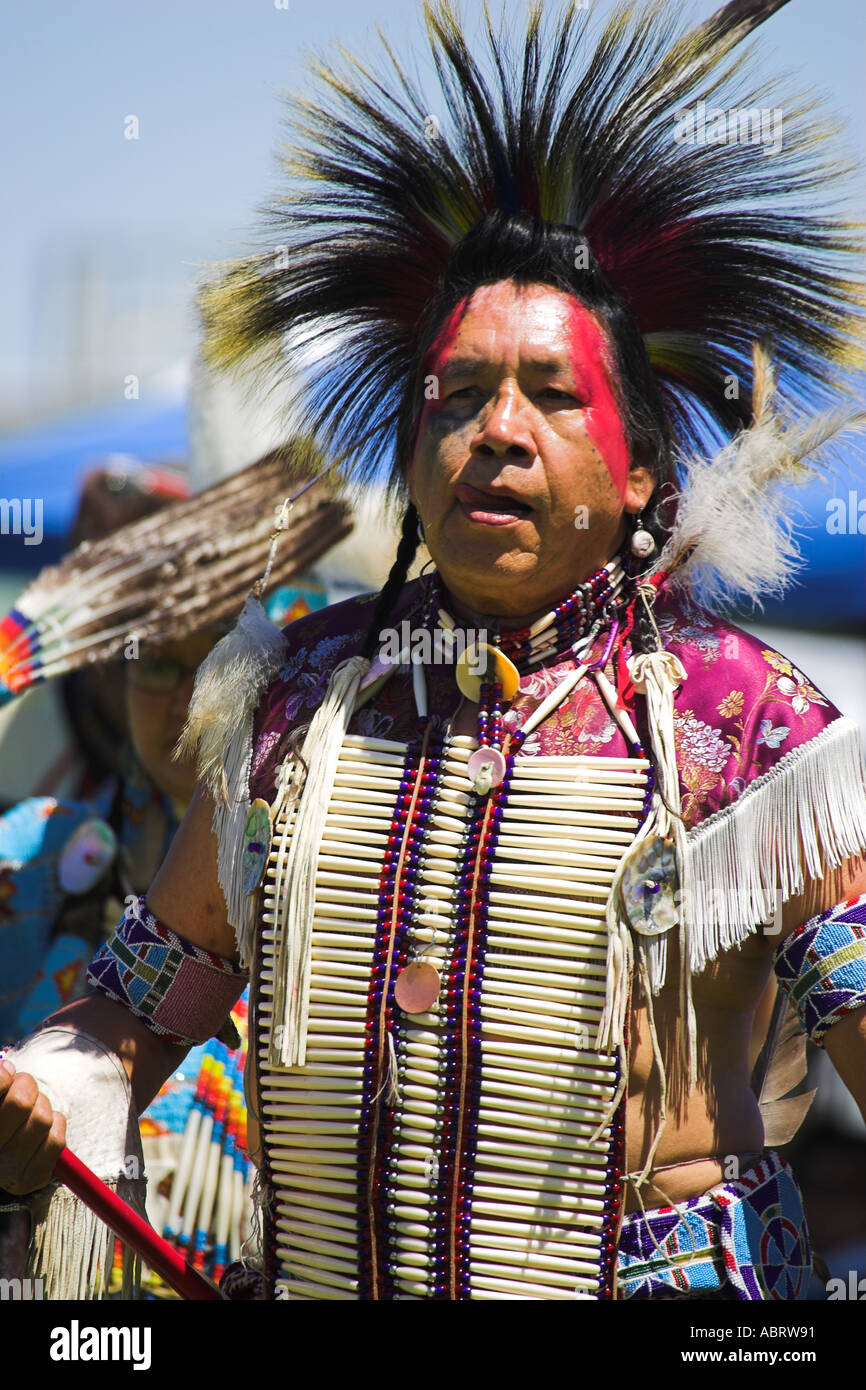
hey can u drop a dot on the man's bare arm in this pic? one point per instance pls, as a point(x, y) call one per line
point(845, 1045)
point(186, 893)
point(845, 1042)
point(187, 897)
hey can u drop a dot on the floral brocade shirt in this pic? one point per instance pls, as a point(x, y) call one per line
point(740, 711)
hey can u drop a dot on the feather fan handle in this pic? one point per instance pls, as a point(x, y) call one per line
point(733, 538)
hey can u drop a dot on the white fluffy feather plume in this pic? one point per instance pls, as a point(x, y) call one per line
point(734, 538)
point(228, 687)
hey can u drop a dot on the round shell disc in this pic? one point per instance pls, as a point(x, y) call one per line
point(86, 856)
point(485, 769)
point(475, 661)
point(649, 886)
point(257, 844)
point(417, 987)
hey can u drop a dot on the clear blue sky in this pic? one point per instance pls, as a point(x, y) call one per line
point(203, 77)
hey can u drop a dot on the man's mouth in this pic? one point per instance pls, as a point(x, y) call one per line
point(499, 508)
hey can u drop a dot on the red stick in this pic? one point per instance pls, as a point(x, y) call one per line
point(177, 1272)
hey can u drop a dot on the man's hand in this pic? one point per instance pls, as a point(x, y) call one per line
point(32, 1135)
point(820, 894)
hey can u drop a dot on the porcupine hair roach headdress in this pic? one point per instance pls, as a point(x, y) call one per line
point(688, 251)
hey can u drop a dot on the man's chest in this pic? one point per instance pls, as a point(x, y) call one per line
point(427, 1138)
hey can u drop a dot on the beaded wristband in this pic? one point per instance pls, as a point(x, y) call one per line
point(822, 966)
point(177, 989)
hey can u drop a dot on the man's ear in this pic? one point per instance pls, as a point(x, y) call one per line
point(639, 487)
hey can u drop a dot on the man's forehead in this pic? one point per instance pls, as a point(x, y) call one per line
point(541, 324)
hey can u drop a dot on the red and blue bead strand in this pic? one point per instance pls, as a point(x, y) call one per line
point(398, 886)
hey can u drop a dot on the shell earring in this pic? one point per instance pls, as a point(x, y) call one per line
point(642, 543)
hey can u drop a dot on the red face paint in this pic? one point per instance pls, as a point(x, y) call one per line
point(602, 416)
point(434, 363)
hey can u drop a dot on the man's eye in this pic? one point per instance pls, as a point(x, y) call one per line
point(557, 393)
point(461, 392)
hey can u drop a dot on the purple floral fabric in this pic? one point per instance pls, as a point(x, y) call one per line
point(741, 709)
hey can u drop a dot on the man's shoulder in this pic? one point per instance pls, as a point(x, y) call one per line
point(717, 654)
point(313, 646)
point(329, 635)
point(339, 622)
point(693, 632)
point(742, 709)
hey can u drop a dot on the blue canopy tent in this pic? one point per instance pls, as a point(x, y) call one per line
point(831, 590)
point(49, 462)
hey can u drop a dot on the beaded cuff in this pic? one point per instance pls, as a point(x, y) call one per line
point(822, 966)
point(178, 990)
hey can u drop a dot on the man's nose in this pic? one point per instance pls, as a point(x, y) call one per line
point(505, 431)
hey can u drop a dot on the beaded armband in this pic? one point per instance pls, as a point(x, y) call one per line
point(178, 990)
point(822, 966)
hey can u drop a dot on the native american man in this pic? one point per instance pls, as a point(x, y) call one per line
point(512, 910)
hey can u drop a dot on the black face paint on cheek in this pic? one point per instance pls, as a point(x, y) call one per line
point(460, 411)
point(441, 424)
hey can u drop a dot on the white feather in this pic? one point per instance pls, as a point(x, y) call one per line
point(736, 515)
point(228, 686)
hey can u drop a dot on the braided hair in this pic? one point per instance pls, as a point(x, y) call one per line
point(410, 536)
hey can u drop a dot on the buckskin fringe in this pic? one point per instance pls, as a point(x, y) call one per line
point(804, 816)
point(72, 1250)
point(295, 890)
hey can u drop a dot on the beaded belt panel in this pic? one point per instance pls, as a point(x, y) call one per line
point(450, 1154)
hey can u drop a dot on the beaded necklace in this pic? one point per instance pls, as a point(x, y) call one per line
point(489, 673)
